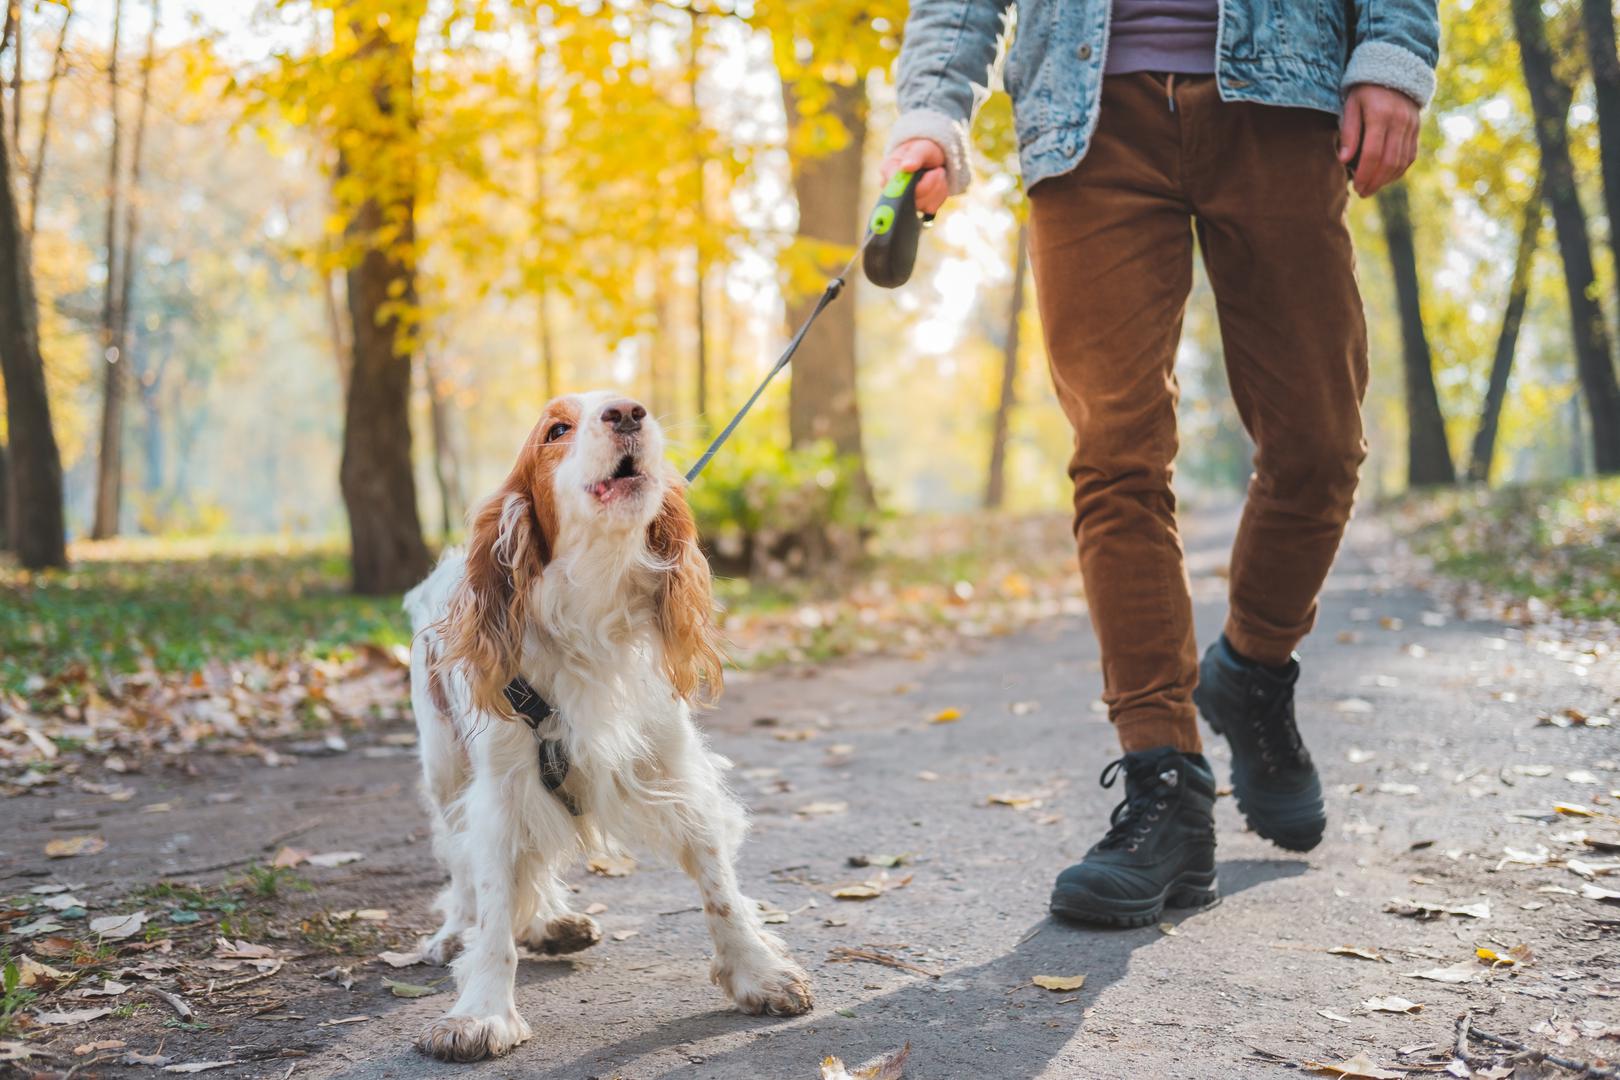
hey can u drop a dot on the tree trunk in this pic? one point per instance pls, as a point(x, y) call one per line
point(1490, 412)
point(109, 463)
point(995, 486)
point(14, 21)
point(6, 526)
point(822, 397)
point(1597, 16)
point(1549, 100)
point(1428, 455)
point(446, 462)
point(35, 498)
point(379, 489)
point(36, 168)
point(337, 330)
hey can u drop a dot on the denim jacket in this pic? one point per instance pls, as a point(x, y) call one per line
point(1303, 53)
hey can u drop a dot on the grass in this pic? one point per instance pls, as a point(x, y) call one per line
point(175, 608)
point(1558, 543)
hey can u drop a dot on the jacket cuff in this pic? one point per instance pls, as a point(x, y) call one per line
point(1383, 64)
point(951, 135)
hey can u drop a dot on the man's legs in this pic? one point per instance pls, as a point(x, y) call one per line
point(1111, 250)
point(1270, 195)
point(1111, 247)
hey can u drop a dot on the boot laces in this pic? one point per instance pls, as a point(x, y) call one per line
point(1276, 731)
point(1147, 797)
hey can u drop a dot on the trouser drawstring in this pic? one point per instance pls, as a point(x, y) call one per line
point(1170, 91)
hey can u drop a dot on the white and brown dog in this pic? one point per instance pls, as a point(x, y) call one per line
point(581, 576)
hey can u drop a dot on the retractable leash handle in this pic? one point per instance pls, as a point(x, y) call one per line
point(888, 252)
point(894, 227)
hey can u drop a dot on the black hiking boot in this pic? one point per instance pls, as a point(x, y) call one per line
point(1160, 847)
point(1272, 776)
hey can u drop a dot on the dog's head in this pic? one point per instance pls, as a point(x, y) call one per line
point(591, 477)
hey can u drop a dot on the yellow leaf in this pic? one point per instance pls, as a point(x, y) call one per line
point(65, 847)
point(946, 716)
point(1059, 983)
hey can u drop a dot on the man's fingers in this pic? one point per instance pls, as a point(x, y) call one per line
point(1350, 130)
point(932, 191)
point(1370, 168)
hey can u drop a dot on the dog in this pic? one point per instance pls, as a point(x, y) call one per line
point(582, 577)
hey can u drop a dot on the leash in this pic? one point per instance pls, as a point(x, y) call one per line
point(887, 254)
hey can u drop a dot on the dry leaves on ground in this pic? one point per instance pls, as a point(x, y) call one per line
point(1059, 983)
point(1360, 1067)
point(888, 1066)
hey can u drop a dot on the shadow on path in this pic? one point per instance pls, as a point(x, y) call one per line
point(983, 1021)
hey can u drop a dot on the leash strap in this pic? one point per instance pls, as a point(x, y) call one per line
point(828, 295)
point(535, 710)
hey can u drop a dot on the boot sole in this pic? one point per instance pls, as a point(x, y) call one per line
point(1290, 836)
point(1192, 888)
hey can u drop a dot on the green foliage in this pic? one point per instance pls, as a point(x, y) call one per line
point(266, 882)
point(1558, 543)
point(761, 507)
point(13, 996)
point(178, 613)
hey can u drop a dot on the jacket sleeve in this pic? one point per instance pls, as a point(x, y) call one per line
point(949, 52)
point(1397, 44)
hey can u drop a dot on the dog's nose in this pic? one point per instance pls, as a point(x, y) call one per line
point(624, 416)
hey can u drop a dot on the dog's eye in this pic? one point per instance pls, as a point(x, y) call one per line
point(557, 431)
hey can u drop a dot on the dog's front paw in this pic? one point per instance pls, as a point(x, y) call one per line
point(440, 949)
point(472, 1038)
point(772, 991)
point(565, 934)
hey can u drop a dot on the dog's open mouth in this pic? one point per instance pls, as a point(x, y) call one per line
point(624, 479)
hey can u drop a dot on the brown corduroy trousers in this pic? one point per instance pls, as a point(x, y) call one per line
point(1111, 246)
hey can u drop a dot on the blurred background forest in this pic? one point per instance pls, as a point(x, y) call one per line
point(305, 271)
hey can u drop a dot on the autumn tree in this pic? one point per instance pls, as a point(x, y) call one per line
point(1428, 455)
point(1507, 339)
point(35, 485)
point(1550, 99)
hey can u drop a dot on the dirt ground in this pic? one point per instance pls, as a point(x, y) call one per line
point(1459, 773)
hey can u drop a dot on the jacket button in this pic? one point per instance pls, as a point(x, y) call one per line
point(1085, 52)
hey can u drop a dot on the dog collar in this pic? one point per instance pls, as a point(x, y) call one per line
point(536, 710)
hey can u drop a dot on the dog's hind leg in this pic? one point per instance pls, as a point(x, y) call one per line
point(555, 929)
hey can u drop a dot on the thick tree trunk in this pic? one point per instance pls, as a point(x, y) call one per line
point(995, 486)
point(379, 488)
point(1428, 455)
point(822, 399)
point(109, 462)
point(338, 334)
point(1549, 100)
point(1490, 412)
point(35, 498)
point(36, 168)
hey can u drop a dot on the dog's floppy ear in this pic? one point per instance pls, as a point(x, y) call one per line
point(685, 603)
point(507, 550)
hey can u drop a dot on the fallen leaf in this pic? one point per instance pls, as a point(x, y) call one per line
point(1424, 909)
point(927, 776)
point(62, 902)
point(817, 809)
point(1355, 705)
point(1169, 929)
point(860, 891)
point(225, 949)
point(1391, 1004)
point(1464, 971)
point(369, 914)
point(200, 1066)
point(66, 847)
point(16, 1051)
point(888, 1066)
point(108, 988)
point(400, 959)
point(118, 927)
point(946, 716)
point(1389, 787)
point(1573, 810)
point(344, 1020)
point(86, 1049)
point(796, 735)
point(407, 990)
point(343, 976)
point(1331, 1015)
point(626, 935)
point(31, 972)
point(1359, 1067)
point(1590, 870)
point(288, 857)
point(1357, 951)
point(1494, 958)
point(1059, 983)
point(1014, 799)
point(596, 908)
point(71, 1017)
point(1597, 892)
point(611, 865)
point(877, 860)
point(334, 858)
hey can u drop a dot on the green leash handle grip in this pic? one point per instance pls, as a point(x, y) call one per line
point(892, 232)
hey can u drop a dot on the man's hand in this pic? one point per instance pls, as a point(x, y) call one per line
point(1379, 133)
point(914, 155)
